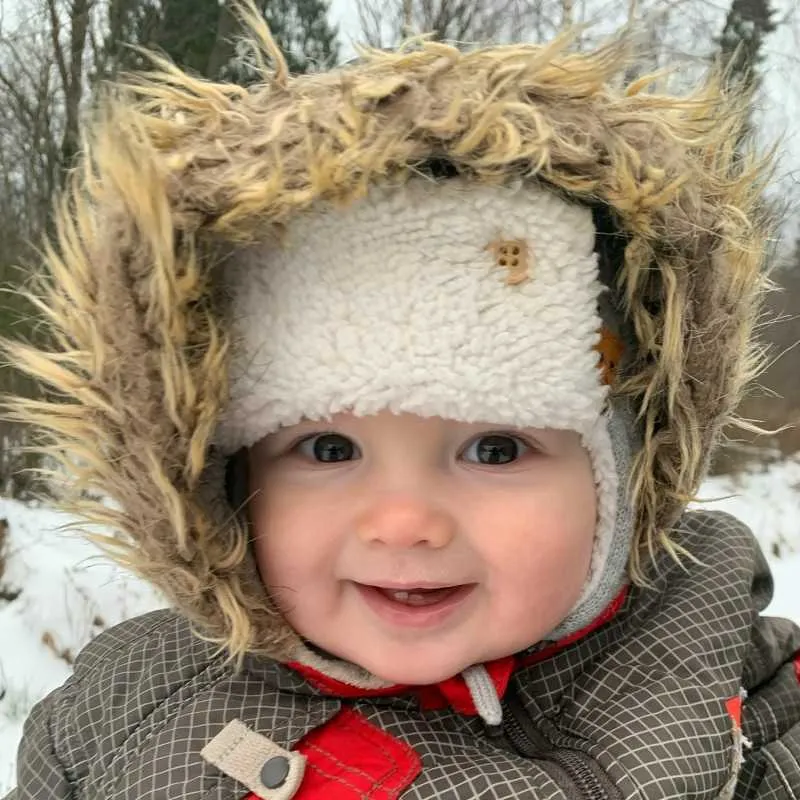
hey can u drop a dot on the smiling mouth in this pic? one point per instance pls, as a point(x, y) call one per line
point(418, 597)
point(415, 606)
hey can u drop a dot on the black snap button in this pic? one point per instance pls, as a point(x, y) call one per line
point(274, 772)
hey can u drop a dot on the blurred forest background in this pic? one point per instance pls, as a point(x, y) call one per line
point(56, 55)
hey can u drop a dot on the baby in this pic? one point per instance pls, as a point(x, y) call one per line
point(400, 377)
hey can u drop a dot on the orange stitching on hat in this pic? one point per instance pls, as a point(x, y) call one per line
point(512, 255)
point(611, 349)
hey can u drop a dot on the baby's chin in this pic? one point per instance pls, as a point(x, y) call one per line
point(416, 675)
point(414, 669)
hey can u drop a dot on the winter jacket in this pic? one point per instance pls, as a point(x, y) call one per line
point(681, 690)
point(177, 173)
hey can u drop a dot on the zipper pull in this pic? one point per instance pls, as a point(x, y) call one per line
point(494, 731)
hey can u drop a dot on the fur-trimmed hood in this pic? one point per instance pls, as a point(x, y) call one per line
point(177, 171)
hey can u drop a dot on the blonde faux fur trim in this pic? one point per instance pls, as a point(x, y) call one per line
point(177, 171)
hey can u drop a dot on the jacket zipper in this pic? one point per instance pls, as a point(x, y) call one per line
point(577, 770)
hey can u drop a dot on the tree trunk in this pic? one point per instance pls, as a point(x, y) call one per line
point(222, 51)
point(70, 69)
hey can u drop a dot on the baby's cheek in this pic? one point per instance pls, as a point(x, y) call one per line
point(279, 562)
point(271, 544)
point(293, 557)
point(286, 582)
point(576, 515)
point(552, 567)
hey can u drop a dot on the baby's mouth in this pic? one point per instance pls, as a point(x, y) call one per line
point(419, 598)
point(417, 607)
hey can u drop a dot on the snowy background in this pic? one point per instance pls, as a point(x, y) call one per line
point(68, 594)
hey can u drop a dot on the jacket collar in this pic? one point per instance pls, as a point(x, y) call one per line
point(337, 678)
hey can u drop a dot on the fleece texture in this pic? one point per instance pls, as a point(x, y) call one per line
point(397, 302)
point(179, 173)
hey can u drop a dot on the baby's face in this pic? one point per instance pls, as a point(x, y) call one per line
point(415, 547)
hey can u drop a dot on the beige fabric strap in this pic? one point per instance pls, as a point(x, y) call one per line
point(242, 753)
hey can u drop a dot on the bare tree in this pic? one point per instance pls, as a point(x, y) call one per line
point(385, 22)
point(43, 87)
point(69, 49)
point(32, 128)
point(667, 29)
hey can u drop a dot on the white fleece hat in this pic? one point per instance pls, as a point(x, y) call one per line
point(439, 298)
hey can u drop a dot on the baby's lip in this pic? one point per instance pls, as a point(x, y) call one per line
point(410, 586)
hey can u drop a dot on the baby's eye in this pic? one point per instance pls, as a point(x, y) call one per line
point(328, 448)
point(495, 448)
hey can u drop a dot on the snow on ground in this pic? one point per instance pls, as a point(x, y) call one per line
point(768, 500)
point(70, 593)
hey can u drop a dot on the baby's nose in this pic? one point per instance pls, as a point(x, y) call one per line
point(406, 523)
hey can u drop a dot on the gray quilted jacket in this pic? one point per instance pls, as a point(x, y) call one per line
point(643, 706)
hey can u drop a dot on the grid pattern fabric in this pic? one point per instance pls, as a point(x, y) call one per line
point(643, 698)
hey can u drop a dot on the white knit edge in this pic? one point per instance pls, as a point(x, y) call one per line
point(613, 532)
